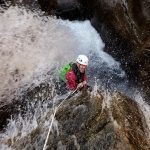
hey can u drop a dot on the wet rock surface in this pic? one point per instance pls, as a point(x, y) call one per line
point(47, 5)
point(104, 121)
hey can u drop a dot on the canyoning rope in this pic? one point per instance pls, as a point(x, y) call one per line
point(53, 116)
point(44, 148)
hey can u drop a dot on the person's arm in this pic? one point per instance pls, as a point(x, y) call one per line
point(83, 83)
point(71, 80)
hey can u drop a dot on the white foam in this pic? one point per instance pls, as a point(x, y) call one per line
point(31, 45)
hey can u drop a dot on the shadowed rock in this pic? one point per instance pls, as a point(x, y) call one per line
point(48, 5)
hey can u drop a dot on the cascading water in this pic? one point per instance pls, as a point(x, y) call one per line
point(32, 49)
point(33, 42)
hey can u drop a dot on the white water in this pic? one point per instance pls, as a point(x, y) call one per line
point(30, 46)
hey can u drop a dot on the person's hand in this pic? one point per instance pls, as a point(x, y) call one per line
point(80, 85)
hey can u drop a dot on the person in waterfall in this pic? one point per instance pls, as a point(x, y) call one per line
point(73, 75)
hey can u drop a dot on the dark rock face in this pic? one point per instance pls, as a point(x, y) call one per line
point(48, 5)
point(71, 9)
point(1, 2)
point(131, 19)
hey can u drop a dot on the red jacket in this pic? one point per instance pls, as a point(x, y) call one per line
point(72, 80)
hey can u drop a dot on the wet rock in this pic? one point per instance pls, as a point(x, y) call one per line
point(109, 121)
point(48, 5)
point(29, 4)
point(131, 126)
point(7, 111)
point(96, 129)
point(65, 9)
point(71, 9)
point(2, 2)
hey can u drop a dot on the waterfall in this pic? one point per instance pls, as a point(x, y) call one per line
point(33, 45)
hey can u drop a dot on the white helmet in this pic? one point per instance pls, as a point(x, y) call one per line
point(83, 60)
